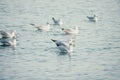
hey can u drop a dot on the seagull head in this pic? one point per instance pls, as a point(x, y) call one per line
point(53, 40)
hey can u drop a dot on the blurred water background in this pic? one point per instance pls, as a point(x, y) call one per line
point(96, 54)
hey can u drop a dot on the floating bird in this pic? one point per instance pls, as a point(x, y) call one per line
point(42, 27)
point(73, 31)
point(64, 48)
point(8, 38)
point(57, 22)
point(93, 18)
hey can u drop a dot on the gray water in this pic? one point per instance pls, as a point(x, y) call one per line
point(96, 53)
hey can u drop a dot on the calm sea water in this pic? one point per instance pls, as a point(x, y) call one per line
point(96, 54)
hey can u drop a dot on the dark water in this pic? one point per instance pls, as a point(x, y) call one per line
point(96, 54)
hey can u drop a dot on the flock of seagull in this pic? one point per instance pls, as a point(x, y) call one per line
point(9, 38)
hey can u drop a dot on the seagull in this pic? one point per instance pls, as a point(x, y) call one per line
point(42, 27)
point(93, 18)
point(57, 22)
point(64, 48)
point(8, 34)
point(70, 31)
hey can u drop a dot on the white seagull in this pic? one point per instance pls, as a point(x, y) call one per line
point(42, 27)
point(70, 31)
point(93, 18)
point(57, 22)
point(64, 48)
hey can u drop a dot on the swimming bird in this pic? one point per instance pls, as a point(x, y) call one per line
point(57, 22)
point(93, 18)
point(64, 48)
point(8, 34)
point(42, 27)
point(73, 31)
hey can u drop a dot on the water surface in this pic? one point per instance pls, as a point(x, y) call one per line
point(96, 53)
